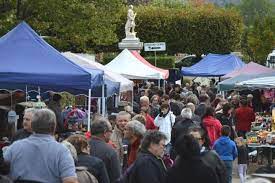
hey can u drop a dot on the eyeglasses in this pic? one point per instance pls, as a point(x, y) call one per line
point(199, 138)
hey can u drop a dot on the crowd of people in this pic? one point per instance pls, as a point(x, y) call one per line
point(183, 134)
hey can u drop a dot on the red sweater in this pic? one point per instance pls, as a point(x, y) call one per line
point(244, 117)
point(213, 127)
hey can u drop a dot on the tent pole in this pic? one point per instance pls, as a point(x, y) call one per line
point(89, 110)
point(164, 86)
point(99, 105)
point(26, 93)
point(103, 100)
point(159, 83)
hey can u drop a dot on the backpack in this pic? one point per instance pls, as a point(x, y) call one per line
point(84, 176)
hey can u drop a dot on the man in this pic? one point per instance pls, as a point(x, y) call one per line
point(130, 24)
point(149, 167)
point(204, 100)
point(145, 110)
point(39, 157)
point(181, 128)
point(26, 131)
point(55, 106)
point(195, 118)
point(209, 157)
point(101, 131)
point(244, 116)
point(122, 119)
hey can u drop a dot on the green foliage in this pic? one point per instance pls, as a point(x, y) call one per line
point(108, 57)
point(259, 39)
point(196, 30)
point(165, 62)
point(75, 25)
point(253, 9)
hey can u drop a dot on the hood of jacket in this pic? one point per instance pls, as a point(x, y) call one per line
point(210, 121)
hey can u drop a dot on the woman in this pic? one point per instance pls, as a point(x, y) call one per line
point(149, 167)
point(226, 118)
point(134, 131)
point(212, 125)
point(189, 167)
point(94, 165)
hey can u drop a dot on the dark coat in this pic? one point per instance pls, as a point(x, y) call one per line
point(191, 171)
point(147, 169)
point(95, 166)
point(108, 155)
point(200, 110)
point(212, 160)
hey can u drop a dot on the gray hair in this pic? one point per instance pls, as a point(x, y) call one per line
point(145, 99)
point(100, 126)
point(29, 110)
point(191, 106)
point(124, 113)
point(186, 113)
point(193, 99)
point(152, 137)
point(43, 121)
point(137, 128)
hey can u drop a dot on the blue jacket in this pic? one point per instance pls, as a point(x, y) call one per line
point(226, 148)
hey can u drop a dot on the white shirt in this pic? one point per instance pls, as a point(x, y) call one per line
point(165, 125)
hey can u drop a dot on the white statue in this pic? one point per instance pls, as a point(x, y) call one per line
point(130, 24)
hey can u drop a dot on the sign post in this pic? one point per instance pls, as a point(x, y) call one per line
point(159, 46)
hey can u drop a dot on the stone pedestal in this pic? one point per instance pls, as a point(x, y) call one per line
point(131, 42)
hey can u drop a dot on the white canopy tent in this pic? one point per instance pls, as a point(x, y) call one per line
point(125, 84)
point(263, 82)
point(131, 65)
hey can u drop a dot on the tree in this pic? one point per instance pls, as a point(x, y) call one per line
point(75, 25)
point(261, 39)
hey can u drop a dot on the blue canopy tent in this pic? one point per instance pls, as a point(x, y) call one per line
point(214, 65)
point(28, 60)
point(230, 84)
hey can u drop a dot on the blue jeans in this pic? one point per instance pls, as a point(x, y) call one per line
point(228, 166)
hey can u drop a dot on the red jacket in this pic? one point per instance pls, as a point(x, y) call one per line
point(150, 125)
point(213, 127)
point(244, 117)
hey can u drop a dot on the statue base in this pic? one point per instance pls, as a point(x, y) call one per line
point(131, 42)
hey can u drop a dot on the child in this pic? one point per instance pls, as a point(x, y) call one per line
point(227, 150)
point(242, 158)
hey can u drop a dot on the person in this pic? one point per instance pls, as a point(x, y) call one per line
point(4, 169)
point(181, 127)
point(154, 107)
point(244, 116)
point(226, 118)
point(189, 164)
point(175, 104)
point(208, 156)
point(40, 157)
point(227, 151)
point(94, 165)
point(149, 124)
point(101, 131)
point(165, 121)
point(201, 108)
point(122, 119)
point(134, 132)
point(83, 176)
point(140, 118)
point(243, 158)
point(212, 125)
point(55, 106)
point(26, 131)
point(250, 101)
point(195, 118)
point(130, 24)
point(149, 166)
